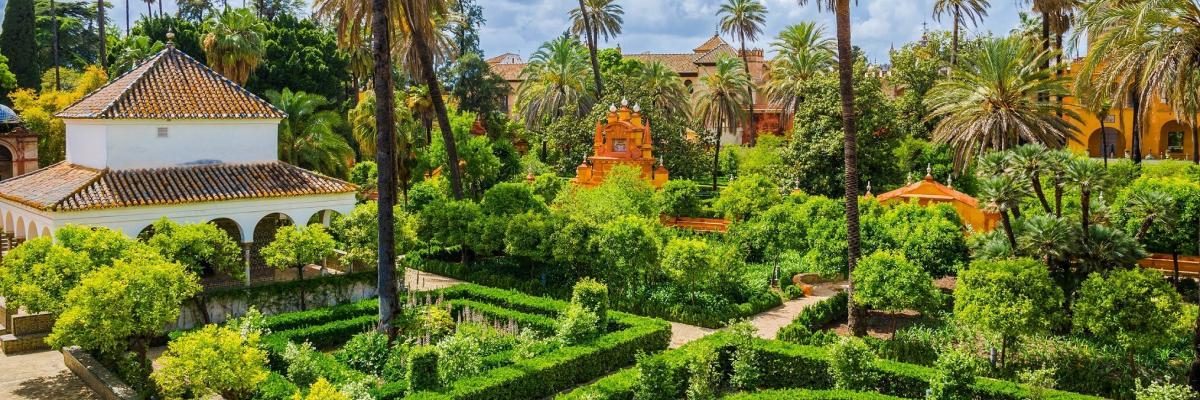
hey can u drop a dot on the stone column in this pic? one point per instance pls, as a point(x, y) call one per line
point(246, 260)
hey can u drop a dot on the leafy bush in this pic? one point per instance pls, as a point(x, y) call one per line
point(805, 394)
point(592, 295)
point(423, 369)
point(656, 380)
point(577, 324)
point(459, 356)
point(367, 352)
point(213, 360)
point(955, 374)
point(792, 292)
point(851, 365)
point(1164, 391)
point(746, 196)
point(703, 377)
point(678, 198)
point(886, 280)
point(746, 370)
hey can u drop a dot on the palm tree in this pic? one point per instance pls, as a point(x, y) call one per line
point(362, 125)
point(382, 20)
point(1046, 236)
point(991, 101)
point(1152, 205)
point(554, 80)
point(1030, 160)
point(149, 11)
point(803, 52)
point(1089, 175)
point(136, 49)
point(306, 137)
point(418, 101)
point(718, 104)
point(841, 9)
point(1001, 194)
point(234, 43)
point(972, 10)
point(591, 19)
point(1113, 61)
point(667, 93)
point(745, 19)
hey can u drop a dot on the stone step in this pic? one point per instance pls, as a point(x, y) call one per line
point(13, 344)
point(30, 324)
point(3, 330)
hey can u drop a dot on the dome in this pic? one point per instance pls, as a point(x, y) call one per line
point(8, 116)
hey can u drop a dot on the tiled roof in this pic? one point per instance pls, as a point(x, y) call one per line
point(711, 56)
point(69, 187)
point(510, 72)
point(680, 63)
point(710, 44)
point(929, 188)
point(171, 85)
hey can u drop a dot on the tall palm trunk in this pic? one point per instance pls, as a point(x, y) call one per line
point(954, 36)
point(591, 39)
point(1008, 231)
point(1036, 181)
point(846, 87)
point(160, 11)
point(126, 17)
point(385, 154)
point(1103, 138)
point(425, 54)
point(750, 90)
point(1136, 101)
point(1085, 208)
point(149, 10)
point(100, 31)
point(717, 156)
point(54, 43)
point(1196, 139)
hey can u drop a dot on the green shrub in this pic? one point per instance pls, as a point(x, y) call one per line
point(1164, 391)
point(746, 370)
point(678, 198)
point(423, 369)
point(303, 368)
point(805, 394)
point(792, 292)
point(577, 325)
point(851, 365)
point(459, 356)
point(656, 380)
point(703, 378)
point(276, 387)
point(955, 374)
point(592, 295)
point(366, 352)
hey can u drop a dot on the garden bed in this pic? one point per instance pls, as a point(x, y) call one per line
point(502, 375)
point(791, 366)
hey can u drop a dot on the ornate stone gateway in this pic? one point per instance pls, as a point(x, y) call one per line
point(622, 139)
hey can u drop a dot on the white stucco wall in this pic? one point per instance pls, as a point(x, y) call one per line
point(127, 144)
point(131, 220)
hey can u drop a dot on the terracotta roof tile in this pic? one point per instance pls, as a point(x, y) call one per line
point(69, 187)
point(711, 56)
point(710, 44)
point(171, 85)
point(680, 63)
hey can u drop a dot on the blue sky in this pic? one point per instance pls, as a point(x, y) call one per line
point(520, 26)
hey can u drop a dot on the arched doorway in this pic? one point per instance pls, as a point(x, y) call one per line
point(32, 231)
point(230, 227)
point(263, 235)
point(1116, 143)
point(1174, 141)
point(324, 217)
point(6, 163)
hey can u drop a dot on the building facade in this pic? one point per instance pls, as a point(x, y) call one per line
point(692, 67)
point(18, 146)
point(171, 138)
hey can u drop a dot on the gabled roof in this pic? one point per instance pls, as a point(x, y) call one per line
point(171, 85)
point(710, 44)
point(711, 56)
point(70, 187)
point(929, 189)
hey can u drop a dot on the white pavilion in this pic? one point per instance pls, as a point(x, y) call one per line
point(171, 138)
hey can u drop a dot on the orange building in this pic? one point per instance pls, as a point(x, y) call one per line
point(621, 139)
point(692, 67)
point(1163, 136)
point(928, 191)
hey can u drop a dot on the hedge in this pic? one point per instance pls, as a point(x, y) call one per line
point(757, 304)
point(786, 365)
point(814, 318)
point(805, 394)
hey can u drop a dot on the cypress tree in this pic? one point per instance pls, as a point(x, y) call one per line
point(17, 43)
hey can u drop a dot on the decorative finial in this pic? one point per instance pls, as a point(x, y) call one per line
point(637, 108)
point(908, 178)
point(170, 37)
point(624, 102)
point(950, 181)
point(929, 170)
point(868, 188)
point(612, 108)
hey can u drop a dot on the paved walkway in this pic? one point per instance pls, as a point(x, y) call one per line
point(40, 376)
point(417, 280)
point(768, 323)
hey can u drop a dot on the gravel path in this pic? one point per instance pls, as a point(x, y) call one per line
point(768, 323)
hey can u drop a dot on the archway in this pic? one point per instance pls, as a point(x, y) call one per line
point(324, 217)
point(1116, 143)
point(45, 231)
point(1174, 141)
point(230, 227)
point(6, 163)
point(263, 235)
point(19, 228)
point(8, 223)
point(32, 231)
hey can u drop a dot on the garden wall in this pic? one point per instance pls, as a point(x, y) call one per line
point(277, 298)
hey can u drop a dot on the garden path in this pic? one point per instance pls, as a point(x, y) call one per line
point(768, 322)
point(40, 376)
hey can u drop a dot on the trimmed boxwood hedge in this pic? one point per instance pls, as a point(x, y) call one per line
point(805, 394)
point(786, 365)
point(814, 318)
point(537, 377)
